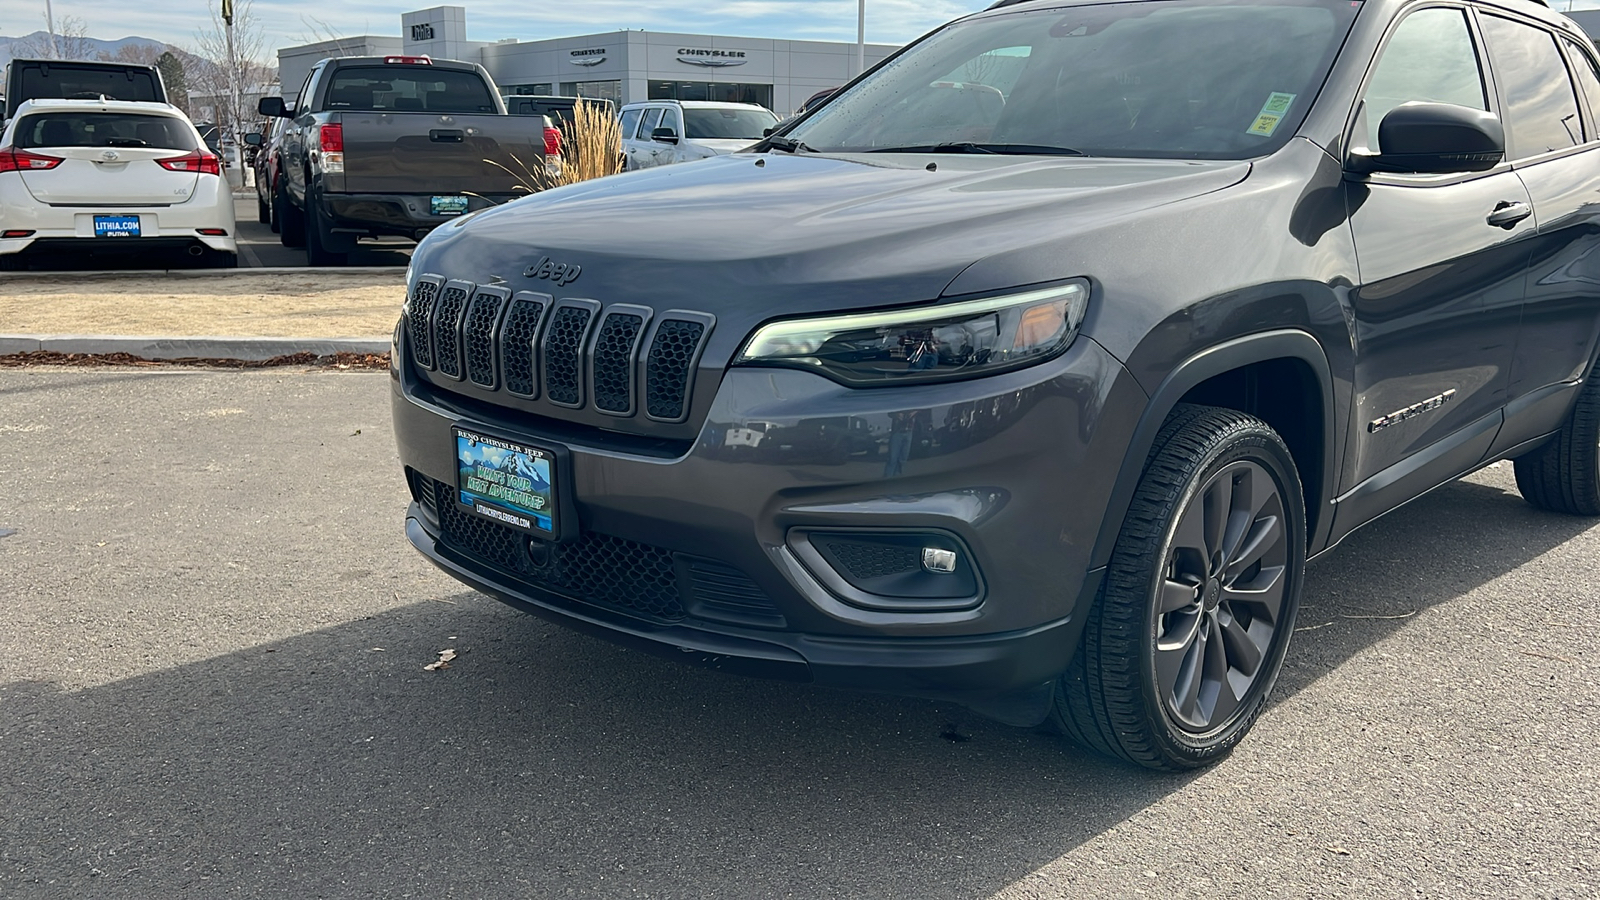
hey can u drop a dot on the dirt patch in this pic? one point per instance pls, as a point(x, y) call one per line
point(310, 360)
point(320, 303)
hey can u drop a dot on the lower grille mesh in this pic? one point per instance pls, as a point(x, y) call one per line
point(596, 568)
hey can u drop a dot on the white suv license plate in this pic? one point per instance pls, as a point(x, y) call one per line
point(116, 226)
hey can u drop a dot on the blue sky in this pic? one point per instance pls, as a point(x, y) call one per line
point(289, 22)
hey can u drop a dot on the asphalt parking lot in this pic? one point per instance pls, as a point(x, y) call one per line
point(259, 245)
point(211, 674)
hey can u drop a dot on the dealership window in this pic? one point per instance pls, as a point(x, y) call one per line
point(594, 90)
point(759, 94)
point(529, 90)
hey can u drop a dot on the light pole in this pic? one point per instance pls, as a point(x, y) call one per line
point(236, 102)
point(861, 36)
point(50, 24)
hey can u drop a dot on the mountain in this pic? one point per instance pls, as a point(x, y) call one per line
point(96, 46)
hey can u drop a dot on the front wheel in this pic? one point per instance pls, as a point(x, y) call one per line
point(1563, 475)
point(1189, 631)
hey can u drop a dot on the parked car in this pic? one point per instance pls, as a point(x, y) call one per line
point(815, 100)
point(558, 109)
point(395, 145)
point(662, 132)
point(268, 166)
point(93, 175)
point(1132, 343)
point(41, 79)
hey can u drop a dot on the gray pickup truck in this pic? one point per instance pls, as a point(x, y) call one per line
point(394, 145)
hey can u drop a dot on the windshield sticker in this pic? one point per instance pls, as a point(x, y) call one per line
point(1272, 112)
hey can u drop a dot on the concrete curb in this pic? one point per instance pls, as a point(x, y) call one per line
point(246, 348)
point(397, 271)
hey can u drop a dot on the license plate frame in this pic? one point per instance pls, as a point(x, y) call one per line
point(114, 226)
point(448, 205)
point(504, 480)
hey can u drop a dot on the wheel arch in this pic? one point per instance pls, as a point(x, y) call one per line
point(1261, 374)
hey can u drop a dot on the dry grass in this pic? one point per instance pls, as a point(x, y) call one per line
point(591, 147)
point(321, 303)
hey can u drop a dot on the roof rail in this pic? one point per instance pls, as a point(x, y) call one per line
point(1003, 3)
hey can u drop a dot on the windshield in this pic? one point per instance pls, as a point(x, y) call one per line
point(409, 88)
point(95, 129)
point(1205, 79)
point(734, 124)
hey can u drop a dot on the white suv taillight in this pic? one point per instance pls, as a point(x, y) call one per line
point(199, 162)
point(12, 160)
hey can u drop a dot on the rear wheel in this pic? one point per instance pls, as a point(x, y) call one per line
point(263, 211)
point(1189, 631)
point(317, 252)
point(219, 259)
point(13, 262)
point(1563, 475)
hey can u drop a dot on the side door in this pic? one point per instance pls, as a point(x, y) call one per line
point(629, 126)
point(1555, 149)
point(649, 150)
point(672, 153)
point(1435, 315)
point(295, 136)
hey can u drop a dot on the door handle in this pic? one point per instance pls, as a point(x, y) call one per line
point(446, 135)
point(1508, 213)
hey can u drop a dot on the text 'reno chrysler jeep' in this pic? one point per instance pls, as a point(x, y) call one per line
point(1028, 369)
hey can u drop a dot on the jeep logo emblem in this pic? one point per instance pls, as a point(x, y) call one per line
point(559, 273)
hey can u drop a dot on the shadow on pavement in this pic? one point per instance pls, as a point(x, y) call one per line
point(543, 762)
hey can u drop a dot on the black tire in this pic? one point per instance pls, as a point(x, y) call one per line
point(1563, 474)
point(317, 252)
point(1238, 613)
point(220, 259)
point(291, 222)
point(13, 262)
point(263, 211)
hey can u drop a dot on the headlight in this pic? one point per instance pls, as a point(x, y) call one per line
point(928, 343)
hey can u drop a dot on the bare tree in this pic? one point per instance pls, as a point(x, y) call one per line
point(216, 75)
point(71, 42)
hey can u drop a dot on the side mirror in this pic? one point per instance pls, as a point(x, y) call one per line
point(767, 132)
point(665, 135)
point(272, 106)
point(254, 139)
point(1435, 139)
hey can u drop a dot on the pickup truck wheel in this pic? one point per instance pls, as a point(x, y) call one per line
point(317, 252)
point(1189, 631)
point(291, 223)
point(1563, 475)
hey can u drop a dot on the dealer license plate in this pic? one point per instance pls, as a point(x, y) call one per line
point(448, 206)
point(116, 226)
point(506, 481)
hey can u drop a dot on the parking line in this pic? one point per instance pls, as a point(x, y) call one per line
point(249, 255)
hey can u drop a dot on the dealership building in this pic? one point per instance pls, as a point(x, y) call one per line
point(621, 66)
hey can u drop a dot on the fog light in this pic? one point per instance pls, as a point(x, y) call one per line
point(12, 233)
point(940, 562)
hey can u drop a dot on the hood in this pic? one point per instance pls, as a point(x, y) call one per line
point(721, 146)
point(752, 237)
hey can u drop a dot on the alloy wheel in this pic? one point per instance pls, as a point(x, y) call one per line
point(1220, 601)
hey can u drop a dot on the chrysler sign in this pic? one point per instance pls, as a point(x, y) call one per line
point(591, 57)
point(712, 59)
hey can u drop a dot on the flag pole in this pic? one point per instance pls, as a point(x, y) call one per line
point(861, 36)
point(50, 23)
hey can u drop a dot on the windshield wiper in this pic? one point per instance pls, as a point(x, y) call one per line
point(787, 145)
point(972, 147)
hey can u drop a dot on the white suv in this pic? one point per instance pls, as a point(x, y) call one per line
point(111, 174)
point(698, 129)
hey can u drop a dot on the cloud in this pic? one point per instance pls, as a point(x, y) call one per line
point(290, 22)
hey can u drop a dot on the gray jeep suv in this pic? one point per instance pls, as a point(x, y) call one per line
point(1028, 369)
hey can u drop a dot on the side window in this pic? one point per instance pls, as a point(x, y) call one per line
point(669, 119)
point(1428, 58)
point(630, 121)
point(302, 101)
point(652, 116)
point(1588, 73)
point(1541, 110)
